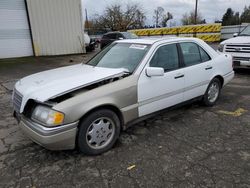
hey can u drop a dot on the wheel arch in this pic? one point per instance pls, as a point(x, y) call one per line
point(111, 107)
point(220, 78)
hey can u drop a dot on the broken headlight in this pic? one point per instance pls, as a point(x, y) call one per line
point(47, 116)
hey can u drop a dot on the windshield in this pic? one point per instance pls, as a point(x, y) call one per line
point(120, 55)
point(245, 32)
point(129, 35)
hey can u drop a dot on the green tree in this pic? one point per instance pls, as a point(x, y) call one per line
point(228, 17)
point(236, 20)
point(245, 16)
point(231, 18)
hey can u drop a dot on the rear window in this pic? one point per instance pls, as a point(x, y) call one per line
point(204, 56)
point(109, 36)
point(191, 53)
point(129, 35)
point(105, 37)
point(112, 36)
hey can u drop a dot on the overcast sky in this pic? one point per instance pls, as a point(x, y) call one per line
point(210, 9)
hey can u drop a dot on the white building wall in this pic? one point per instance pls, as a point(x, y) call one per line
point(56, 26)
point(15, 39)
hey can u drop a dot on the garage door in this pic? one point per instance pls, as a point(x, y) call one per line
point(15, 40)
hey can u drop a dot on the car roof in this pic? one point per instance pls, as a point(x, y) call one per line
point(155, 40)
point(115, 32)
point(112, 32)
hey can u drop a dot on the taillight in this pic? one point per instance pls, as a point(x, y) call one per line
point(232, 62)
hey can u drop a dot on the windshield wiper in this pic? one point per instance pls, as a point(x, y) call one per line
point(127, 72)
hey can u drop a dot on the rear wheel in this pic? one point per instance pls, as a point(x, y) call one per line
point(98, 132)
point(213, 92)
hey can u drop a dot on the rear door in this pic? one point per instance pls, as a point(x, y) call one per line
point(198, 69)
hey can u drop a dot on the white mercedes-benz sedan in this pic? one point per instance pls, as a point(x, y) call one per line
point(86, 106)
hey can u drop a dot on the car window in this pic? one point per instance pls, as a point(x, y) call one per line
point(120, 55)
point(166, 57)
point(119, 35)
point(129, 35)
point(245, 32)
point(105, 37)
point(112, 36)
point(204, 56)
point(191, 53)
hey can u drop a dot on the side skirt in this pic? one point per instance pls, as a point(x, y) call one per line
point(143, 118)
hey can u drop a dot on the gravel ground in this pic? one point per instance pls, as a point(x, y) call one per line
point(193, 146)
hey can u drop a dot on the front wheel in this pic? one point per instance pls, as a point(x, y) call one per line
point(213, 92)
point(98, 132)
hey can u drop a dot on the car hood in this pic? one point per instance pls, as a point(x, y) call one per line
point(238, 40)
point(50, 84)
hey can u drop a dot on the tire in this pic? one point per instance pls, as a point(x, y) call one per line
point(97, 127)
point(208, 99)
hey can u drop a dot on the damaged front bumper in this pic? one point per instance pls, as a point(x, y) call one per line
point(55, 138)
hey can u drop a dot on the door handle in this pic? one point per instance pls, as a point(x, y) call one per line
point(179, 76)
point(208, 67)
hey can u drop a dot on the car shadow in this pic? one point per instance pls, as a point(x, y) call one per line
point(242, 71)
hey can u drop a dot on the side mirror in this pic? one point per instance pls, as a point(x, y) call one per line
point(235, 34)
point(120, 38)
point(154, 71)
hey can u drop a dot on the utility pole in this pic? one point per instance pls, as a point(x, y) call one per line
point(196, 12)
point(87, 21)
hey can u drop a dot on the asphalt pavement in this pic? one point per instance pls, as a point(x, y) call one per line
point(193, 146)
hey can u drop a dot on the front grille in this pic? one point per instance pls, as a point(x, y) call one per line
point(17, 100)
point(236, 63)
point(241, 58)
point(237, 48)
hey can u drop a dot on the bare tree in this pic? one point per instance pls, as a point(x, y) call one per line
point(118, 18)
point(166, 18)
point(189, 19)
point(133, 17)
point(158, 15)
point(161, 18)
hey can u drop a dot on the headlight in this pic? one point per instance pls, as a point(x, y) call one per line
point(221, 47)
point(47, 116)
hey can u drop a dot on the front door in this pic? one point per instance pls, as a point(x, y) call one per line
point(159, 92)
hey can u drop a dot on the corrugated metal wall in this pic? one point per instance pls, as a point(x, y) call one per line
point(15, 39)
point(56, 26)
